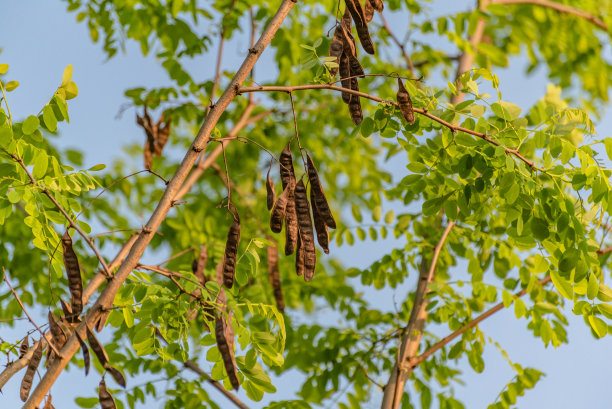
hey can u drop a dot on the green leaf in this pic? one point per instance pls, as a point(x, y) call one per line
point(562, 285)
point(598, 325)
point(30, 125)
point(97, 167)
point(67, 76)
point(71, 90)
point(11, 85)
point(3, 68)
point(49, 119)
point(539, 228)
point(592, 287)
point(41, 164)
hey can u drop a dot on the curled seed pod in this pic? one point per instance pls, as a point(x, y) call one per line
point(306, 230)
point(291, 224)
point(24, 347)
point(86, 356)
point(26, 382)
point(299, 258)
point(272, 252)
point(270, 193)
point(280, 207)
point(75, 283)
point(378, 5)
point(162, 134)
point(335, 49)
point(345, 72)
point(320, 226)
point(66, 309)
point(231, 249)
point(225, 342)
point(358, 14)
point(317, 195)
point(48, 404)
point(199, 265)
point(102, 320)
point(97, 347)
point(106, 399)
point(369, 11)
point(116, 374)
point(404, 102)
point(59, 338)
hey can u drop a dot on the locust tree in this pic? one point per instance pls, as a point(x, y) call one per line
point(521, 199)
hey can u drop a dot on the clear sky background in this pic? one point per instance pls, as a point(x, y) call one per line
point(39, 38)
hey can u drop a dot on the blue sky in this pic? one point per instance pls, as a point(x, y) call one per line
point(39, 38)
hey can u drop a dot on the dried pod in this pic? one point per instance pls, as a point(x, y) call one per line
point(306, 230)
point(335, 49)
point(317, 195)
point(48, 404)
point(279, 209)
point(320, 226)
point(148, 155)
point(24, 347)
point(59, 337)
point(106, 399)
point(270, 193)
point(231, 249)
point(361, 25)
point(163, 132)
point(355, 109)
point(345, 72)
point(286, 166)
point(75, 283)
point(299, 258)
point(116, 374)
point(346, 22)
point(102, 320)
point(378, 5)
point(291, 224)
point(199, 265)
point(97, 347)
point(86, 356)
point(355, 67)
point(26, 382)
point(66, 308)
point(272, 252)
point(225, 342)
point(404, 102)
point(369, 10)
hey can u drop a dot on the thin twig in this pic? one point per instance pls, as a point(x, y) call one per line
point(397, 42)
point(42, 333)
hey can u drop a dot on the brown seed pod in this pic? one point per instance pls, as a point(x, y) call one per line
point(335, 49)
point(286, 166)
point(102, 320)
point(106, 399)
point(199, 265)
point(280, 207)
point(347, 21)
point(345, 72)
point(26, 382)
point(404, 102)
point(358, 14)
point(59, 338)
point(369, 11)
point(86, 356)
point(291, 224)
point(320, 226)
point(225, 342)
point(147, 156)
point(317, 195)
point(274, 274)
point(75, 282)
point(24, 347)
point(270, 193)
point(163, 132)
point(231, 249)
point(355, 108)
point(97, 347)
point(299, 258)
point(306, 230)
point(66, 308)
point(116, 374)
point(378, 5)
point(48, 404)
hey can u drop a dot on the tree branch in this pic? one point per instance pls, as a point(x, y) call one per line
point(59, 207)
point(440, 344)
point(192, 366)
point(420, 111)
point(13, 368)
point(165, 204)
point(561, 8)
point(398, 43)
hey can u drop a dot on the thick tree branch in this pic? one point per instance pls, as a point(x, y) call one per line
point(420, 111)
point(440, 344)
point(59, 207)
point(561, 8)
point(165, 204)
point(412, 336)
point(16, 366)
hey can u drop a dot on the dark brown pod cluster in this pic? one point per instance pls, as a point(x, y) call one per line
point(306, 230)
point(57, 334)
point(157, 135)
point(275, 281)
point(28, 378)
point(106, 399)
point(280, 207)
point(24, 347)
point(231, 250)
point(369, 10)
point(86, 356)
point(224, 333)
point(75, 282)
point(404, 102)
point(318, 195)
point(270, 193)
point(378, 5)
point(287, 174)
point(361, 24)
point(97, 347)
point(299, 258)
point(335, 49)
